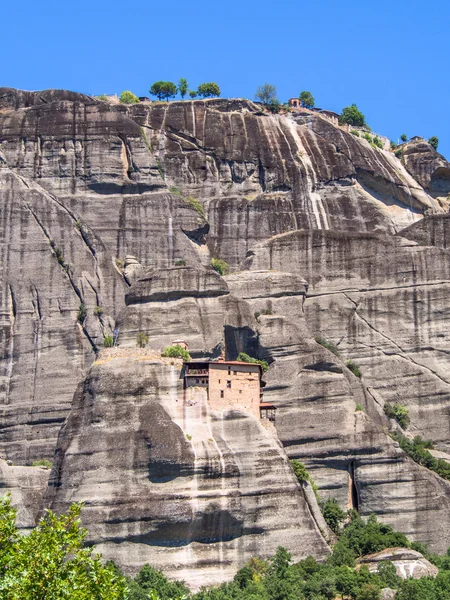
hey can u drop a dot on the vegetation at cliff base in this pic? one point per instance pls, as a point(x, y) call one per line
point(52, 561)
point(243, 357)
point(176, 351)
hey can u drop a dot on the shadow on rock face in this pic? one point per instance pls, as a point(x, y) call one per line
point(209, 527)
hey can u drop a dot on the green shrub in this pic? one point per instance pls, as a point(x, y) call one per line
point(434, 141)
point(302, 476)
point(141, 339)
point(108, 341)
point(359, 408)
point(353, 116)
point(196, 205)
point(333, 514)
point(102, 97)
point(180, 263)
point(220, 266)
point(355, 132)
point(307, 99)
point(353, 367)
point(119, 263)
point(368, 137)
point(176, 352)
point(398, 412)
point(128, 97)
point(274, 106)
point(189, 437)
point(243, 357)
point(393, 145)
point(328, 345)
point(82, 313)
point(98, 311)
point(42, 462)
point(417, 449)
point(377, 142)
point(399, 153)
point(404, 137)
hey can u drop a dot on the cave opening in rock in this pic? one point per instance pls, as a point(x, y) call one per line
point(353, 499)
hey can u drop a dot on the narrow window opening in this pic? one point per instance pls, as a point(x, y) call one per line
point(228, 384)
point(222, 393)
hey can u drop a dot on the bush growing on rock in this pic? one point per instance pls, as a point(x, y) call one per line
point(128, 97)
point(353, 367)
point(176, 352)
point(377, 142)
point(243, 357)
point(417, 449)
point(82, 313)
point(399, 412)
point(353, 116)
point(328, 345)
point(141, 339)
point(220, 266)
point(42, 462)
point(434, 141)
point(108, 341)
point(333, 514)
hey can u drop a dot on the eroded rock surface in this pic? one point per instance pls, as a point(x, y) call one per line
point(109, 218)
point(408, 563)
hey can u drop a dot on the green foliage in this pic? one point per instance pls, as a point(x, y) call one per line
point(59, 255)
point(82, 313)
point(128, 97)
point(208, 90)
point(399, 412)
point(365, 537)
point(368, 137)
point(196, 205)
point(274, 106)
point(189, 437)
point(98, 311)
point(388, 574)
point(192, 94)
point(355, 132)
point(307, 99)
point(434, 141)
point(243, 357)
point(393, 145)
point(353, 116)
point(108, 341)
point(266, 94)
point(182, 87)
point(180, 263)
point(417, 449)
point(328, 345)
point(353, 367)
point(265, 311)
point(220, 266)
point(163, 89)
point(399, 153)
point(51, 561)
point(42, 462)
point(150, 581)
point(333, 514)
point(141, 339)
point(377, 142)
point(300, 470)
point(359, 408)
point(102, 97)
point(404, 137)
point(176, 352)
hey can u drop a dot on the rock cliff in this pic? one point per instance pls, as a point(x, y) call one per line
point(109, 218)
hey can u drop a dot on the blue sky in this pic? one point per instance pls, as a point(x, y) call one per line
point(389, 57)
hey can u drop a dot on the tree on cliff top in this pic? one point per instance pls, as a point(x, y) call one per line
point(208, 90)
point(183, 87)
point(353, 116)
point(266, 94)
point(51, 562)
point(434, 141)
point(307, 99)
point(163, 89)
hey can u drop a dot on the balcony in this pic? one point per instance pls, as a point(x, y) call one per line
point(196, 372)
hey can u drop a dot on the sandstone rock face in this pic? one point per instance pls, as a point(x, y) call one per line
point(428, 167)
point(171, 482)
point(109, 218)
point(408, 563)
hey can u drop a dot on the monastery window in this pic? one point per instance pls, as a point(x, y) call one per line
point(240, 391)
point(219, 380)
point(229, 370)
point(228, 384)
point(197, 380)
point(222, 393)
point(234, 372)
